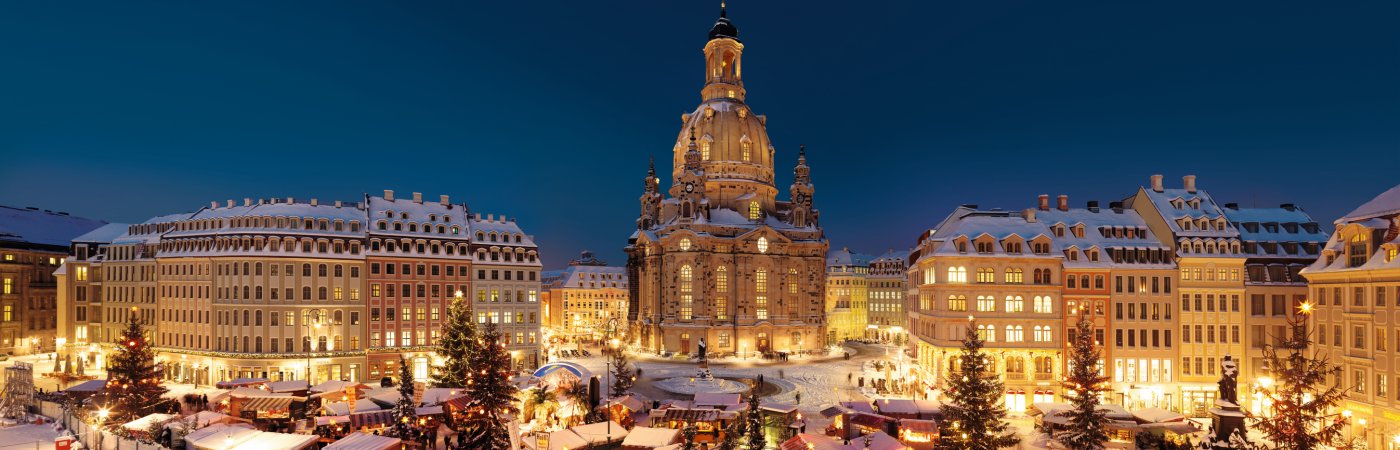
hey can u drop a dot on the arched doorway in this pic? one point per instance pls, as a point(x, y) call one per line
point(762, 343)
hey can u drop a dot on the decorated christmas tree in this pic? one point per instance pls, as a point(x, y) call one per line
point(622, 374)
point(455, 346)
point(405, 413)
point(490, 388)
point(133, 379)
point(974, 413)
point(1087, 427)
point(1303, 401)
point(753, 424)
point(688, 437)
point(730, 440)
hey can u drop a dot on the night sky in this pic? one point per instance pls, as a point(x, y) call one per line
point(547, 111)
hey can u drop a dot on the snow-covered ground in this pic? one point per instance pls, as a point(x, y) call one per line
point(19, 437)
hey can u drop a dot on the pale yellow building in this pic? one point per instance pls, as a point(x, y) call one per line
point(847, 295)
point(586, 299)
point(1210, 262)
point(1355, 287)
point(888, 319)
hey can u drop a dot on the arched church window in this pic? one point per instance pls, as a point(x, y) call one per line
point(705, 150)
point(746, 146)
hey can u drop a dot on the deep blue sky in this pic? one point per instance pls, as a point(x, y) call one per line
point(547, 110)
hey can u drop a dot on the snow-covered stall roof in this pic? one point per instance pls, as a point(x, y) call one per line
point(647, 437)
point(363, 441)
point(337, 385)
point(808, 441)
point(343, 408)
point(221, 436)
point(54, 230)
point(600, 433)
point(200, 420)
point(276, 441)
point(704, 399)
point(1157, 415)
point(286, 386)
point(87, 386)
point(146, 422)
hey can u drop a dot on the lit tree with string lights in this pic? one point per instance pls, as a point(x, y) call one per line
point(492, 393)
point(1302, 400)
point(973, 415)
point(133, 387)
point(1087, 427)
point(455, 346)
point(405, 412)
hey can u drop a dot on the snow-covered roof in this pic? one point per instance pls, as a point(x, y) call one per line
point(221, 436)
point(435, 218)
point(34, 226)
point(845, 257)
point(363, 441)
point(972, 224)
point(1282, 224)
point(343, 408)
point(103, 234)
point(647, 437)
point(579, 276)
point(1388, 203)
point(808, 441)
point(1103, 229)
point(278, 441)
point(146, 422)
point(711, 399)
point(1195, 205)
point(501, 226)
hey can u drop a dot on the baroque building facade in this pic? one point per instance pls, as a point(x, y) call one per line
point(723, 259)
point(587, 299)
point(286, 289)
point(847, 295)
point(888, 321)
point(1355, 285)
point(33, 243)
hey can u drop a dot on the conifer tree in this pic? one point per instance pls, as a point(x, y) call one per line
point(455, 346)
point(133, 379)
point(405, 413)
point(622, 374)
point(974, 413)
point(730, 440)
point(1087, 427)
point(1304, 403)
point(753, 419)
point(688, 437)
point(492, 391)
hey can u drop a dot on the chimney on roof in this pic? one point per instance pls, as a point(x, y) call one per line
point(230, 203)
point(444, 200)
point(1062, 202)
point(1232, 206)
point(490, 217)
point(1093, 205)
point(1189, 182)
point(1157, 183)
point(1116, 207)
point(213, 205)
point(247, 201)
point(1044, 202)
point(290, 200)
point(389, 194)
point(1029, 214)
point(1289, 206)
point(315, 202)
point(417, 197)
point(338, 203)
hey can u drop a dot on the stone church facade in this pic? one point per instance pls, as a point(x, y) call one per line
point(719, 257)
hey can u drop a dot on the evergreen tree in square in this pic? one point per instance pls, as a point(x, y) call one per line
point(1087, 427)
point(1303, 400)
point(492, 392)
point(133, 387)
point(406, 411)
point(753, 424)
point(455, 346)
point(974, 412)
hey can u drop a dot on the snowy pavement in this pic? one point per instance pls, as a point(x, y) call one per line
point(24, 437)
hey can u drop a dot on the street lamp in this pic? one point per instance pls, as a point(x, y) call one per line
point(101, 420)
point(310, 346)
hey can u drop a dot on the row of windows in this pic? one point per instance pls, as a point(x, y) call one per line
point(323, 344)
point(292, 223)
point(259, 243)
point(256, 269)
point(1210, 302)
point(409, 314)
point(958, 274)
point(1209, 274)
point(314, 317)
point(1139, 284)
point(498, 295)
point(1212, 334)
point(1012, 303)
point(1379, 298)
point(256, 293)
point(383, 225)
point(1015, 333)
point(1138, 338)
point(422, 269)
point(420, 290)
point(1139, 311)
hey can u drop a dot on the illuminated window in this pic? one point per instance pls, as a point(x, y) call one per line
point(986, 275)
point(761, 287)
point(957, 274)
point(957, 303)
point(685, 244)
point(986, 303)
point(987, 333)
point(1043, 305)
point(792, 281)
point(745, 146)
point(731, 93)
point(754, 211)
point(687, 301)
point(1014, 276)
point(82, 274)
point(762, 244)
point(705, 150)
point(1014, 303)
point(1014, 333)
point(9, 285)
point(1042, 334)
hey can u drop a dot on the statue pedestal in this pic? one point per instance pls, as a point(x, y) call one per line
point(1226, 419)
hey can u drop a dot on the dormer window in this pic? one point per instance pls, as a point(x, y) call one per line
point(984, 247)
point(1093, 255)
point(1079, 231)
point(1357, 248)
point(1072, 254)
point(1059, 230)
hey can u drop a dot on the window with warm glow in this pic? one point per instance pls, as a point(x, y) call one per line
point(685, 244)
point(1014, 303)
point(705, 150)
point(687, 300)
point(763, 245)
point(986, 303)
point(745, 146)
point(754, 211)
point(957, 303)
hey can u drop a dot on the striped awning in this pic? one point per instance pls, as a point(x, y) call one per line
point(691, 415)
point(371, 419)
point(458, 403)
point(267, 403)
